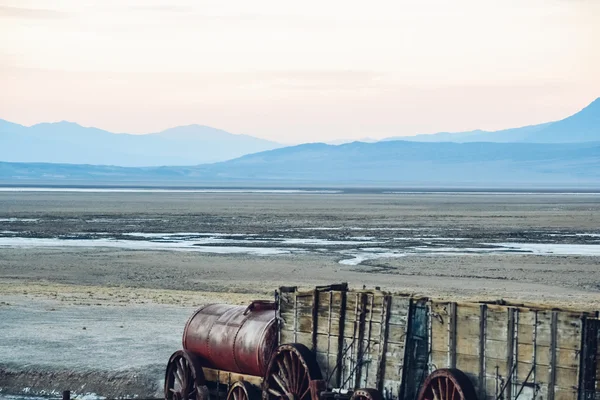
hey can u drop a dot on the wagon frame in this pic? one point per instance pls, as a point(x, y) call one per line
point(375, 345)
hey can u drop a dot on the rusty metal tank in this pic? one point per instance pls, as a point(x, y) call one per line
point(233, 338)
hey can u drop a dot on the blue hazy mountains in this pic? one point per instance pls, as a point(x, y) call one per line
point(564, 153)
point(398, 163)
point(67, 142)
point(583, 126)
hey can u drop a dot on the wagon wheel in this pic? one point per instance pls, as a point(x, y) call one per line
point(291, 369)
point(366, 394)
point(447, 384)
point(242, 390)
point(184, 379)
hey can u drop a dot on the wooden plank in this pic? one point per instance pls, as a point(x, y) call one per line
point(307, 311)
point(336, 297)
point(340, 352)
point(481, 348)
point(510, 360)
point(495, 364)
point(496, 349)
point(467, 346)
point(374, 305)
point(299, 337)
point(469, 364)
point(568, 331)
point(439, 359)
point(225, 377)
point(326, 325)
point(399, 308)
point(524, 372)
point(396, 333)
point(496, 321)
point(327, 343)
point(566, 358)
point(360, 339)
point(292, 322)
point(552, 368)
point(496, 330)
point(440, 342)
point(394, 362)
point(384, 344)
point(566, 378)
point(314, 319)
point(452, 336)
point(565, 394)
point(372, 329)
point(370, 366)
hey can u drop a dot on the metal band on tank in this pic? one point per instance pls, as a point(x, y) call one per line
point(235, 360)
point(208, 346)
point(187, 324)
point(263, 341)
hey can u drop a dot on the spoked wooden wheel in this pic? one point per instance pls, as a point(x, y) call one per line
point(447, 384)
point(366, 394)
point(184, 379)
point(241, 390)
point(291, 370)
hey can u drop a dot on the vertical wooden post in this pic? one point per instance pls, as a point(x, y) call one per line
point(385, 322)
point(515, 385)
point(361, 337)
point(510, 347)
point(534, 355)
point(553, 337)
point(482, 338)
point(315, 319)
point(340, 352)
point(452, 336)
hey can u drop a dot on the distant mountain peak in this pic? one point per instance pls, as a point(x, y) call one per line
point(69, 142)
point(583, 126)
point(594, 105)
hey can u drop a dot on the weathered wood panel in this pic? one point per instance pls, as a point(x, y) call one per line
point(499, 347)
point(227, 378)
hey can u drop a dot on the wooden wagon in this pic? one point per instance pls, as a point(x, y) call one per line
point(337, 343)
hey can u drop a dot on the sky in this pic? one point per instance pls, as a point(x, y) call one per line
point(298, 71)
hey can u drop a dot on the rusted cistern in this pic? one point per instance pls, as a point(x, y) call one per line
point(233, 338)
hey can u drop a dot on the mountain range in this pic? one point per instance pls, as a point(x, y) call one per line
point(564, 153)
point(67, 142)
point(397, 163)
point(583, 126)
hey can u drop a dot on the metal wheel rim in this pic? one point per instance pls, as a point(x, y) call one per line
point(289, 374)
point(366, 394)
point(447, 384)
point(238, 391)
point(180, 381)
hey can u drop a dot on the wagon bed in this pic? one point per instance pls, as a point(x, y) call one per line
point(337, 343)
point(392, 342)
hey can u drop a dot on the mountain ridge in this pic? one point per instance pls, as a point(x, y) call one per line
point(70, 142)
point(398, 163)
point(585, 124)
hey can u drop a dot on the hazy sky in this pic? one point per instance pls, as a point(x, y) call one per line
point(296, 71)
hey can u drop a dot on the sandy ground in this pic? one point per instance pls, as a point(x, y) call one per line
point(105, 320)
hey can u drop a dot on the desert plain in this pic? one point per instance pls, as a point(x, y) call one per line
point(96, 285)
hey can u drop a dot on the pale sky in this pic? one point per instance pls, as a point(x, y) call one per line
point(298, 71)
